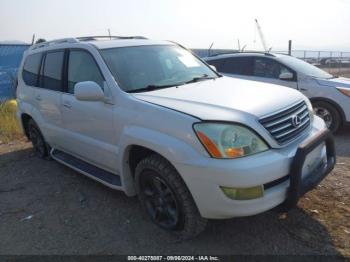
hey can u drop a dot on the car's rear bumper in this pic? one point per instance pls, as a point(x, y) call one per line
point(272, 169)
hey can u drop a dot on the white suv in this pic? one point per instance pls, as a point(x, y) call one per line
point(151, 119)
point(329, 95)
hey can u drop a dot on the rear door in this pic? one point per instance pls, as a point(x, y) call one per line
point(48, 97)
point(88, 125)
point(238, 67)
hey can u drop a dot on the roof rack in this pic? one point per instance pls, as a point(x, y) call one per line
point(112, 37)
point(54, 42)
point(81, 39)
point(244, 52)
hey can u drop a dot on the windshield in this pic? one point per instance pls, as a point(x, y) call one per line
point(303, 67)
point(139, 67)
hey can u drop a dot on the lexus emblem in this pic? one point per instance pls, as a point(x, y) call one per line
point(296, 121)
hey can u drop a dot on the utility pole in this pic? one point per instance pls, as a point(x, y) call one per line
point(290, 47)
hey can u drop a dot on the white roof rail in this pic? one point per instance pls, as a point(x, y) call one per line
point(54, 42)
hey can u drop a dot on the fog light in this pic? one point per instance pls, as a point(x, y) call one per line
point(243, 193)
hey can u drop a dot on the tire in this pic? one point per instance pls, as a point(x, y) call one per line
point(329, 114)
point(37, 139)
point(166, 199)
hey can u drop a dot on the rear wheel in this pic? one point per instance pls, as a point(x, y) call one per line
point(37, 139)
point(329, 114)
point(166, 199)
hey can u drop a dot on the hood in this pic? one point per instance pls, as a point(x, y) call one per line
point(224, 98)
point(334, 82)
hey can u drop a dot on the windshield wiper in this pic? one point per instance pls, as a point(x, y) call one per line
point(152, 88)
point(200, 78)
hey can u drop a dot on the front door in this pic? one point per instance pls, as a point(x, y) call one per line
point(268, 70)
point(88, 124)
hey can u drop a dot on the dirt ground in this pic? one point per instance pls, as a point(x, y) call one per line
point(46, 208)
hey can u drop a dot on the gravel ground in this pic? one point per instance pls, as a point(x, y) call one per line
point(46, 208)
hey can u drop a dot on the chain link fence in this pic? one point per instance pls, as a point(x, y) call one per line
point(334, 62)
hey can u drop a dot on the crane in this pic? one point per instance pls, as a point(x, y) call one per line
point(262, 38)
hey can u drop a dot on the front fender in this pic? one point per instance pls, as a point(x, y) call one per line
point(173, 149)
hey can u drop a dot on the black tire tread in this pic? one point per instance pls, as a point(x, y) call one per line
point(31, 122)
point(194, 223)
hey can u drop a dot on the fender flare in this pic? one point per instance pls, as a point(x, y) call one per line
point(169, 147)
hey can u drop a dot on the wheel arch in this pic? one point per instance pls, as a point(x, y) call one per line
point(139, 143)
point(333, 103)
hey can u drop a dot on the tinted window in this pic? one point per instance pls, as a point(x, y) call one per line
point(31, 69)
point(52, 75)
point(238, 65)
point(264, 67)
point(82, 67)
point(217, 64)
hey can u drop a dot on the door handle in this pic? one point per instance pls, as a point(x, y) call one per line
point(38, 97)
point(67, 104)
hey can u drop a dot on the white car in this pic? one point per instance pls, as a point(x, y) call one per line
point(151, 119)
point(329, 95)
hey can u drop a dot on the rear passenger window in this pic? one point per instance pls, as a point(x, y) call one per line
point(52, 73)
point(82, 67)
point(238, 65)
point(31, 68)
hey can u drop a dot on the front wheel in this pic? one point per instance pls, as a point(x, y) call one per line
point(166, 199)
point(329, 114)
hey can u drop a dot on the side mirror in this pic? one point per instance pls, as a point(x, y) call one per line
point(88, 91)
point(286, 76)
point(213, 67)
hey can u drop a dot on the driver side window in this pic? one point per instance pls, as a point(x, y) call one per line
point(264, 67)
point(82, 67)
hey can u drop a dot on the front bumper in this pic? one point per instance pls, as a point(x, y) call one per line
point(298, 185)
point(283, 166)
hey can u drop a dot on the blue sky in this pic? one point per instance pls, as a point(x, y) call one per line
point(311, 24)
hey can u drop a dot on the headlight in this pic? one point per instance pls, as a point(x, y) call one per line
point(229, 140)
point(344, 90)
point(311, 110)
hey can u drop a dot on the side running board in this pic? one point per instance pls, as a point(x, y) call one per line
point(96, 173)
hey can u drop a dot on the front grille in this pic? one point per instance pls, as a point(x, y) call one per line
point(283, 126)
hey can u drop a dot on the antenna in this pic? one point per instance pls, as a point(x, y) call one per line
point(210, 48)
point(33, 39)
point(109, 34)
point(239, 45)
point(262, 38)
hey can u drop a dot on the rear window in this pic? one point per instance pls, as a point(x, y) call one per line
point(238, 65)
point(31, 68)
point(217, 63)
point(52, 75)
